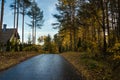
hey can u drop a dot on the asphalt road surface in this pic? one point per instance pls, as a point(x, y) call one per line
point(42, 67)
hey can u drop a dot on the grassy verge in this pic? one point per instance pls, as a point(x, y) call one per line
point(90, 68)
point(12, 58)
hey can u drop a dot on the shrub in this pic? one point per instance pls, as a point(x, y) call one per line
point(115, 49)
point(91, 48)
point(31, 48)
point(20, 47)
point(114, 57)
point(8, 46)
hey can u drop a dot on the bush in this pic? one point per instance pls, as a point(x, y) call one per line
point(91, 48)
point(8, 46)
point(31, 48)
point(114, 56)
point(115, 49)
point(20, 47)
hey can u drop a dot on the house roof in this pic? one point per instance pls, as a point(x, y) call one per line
point(6, 35)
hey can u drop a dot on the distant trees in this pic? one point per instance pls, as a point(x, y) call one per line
point(29, 39)
point(51, 45)
point(41, 39)
point(36, 15)
point(47, 43)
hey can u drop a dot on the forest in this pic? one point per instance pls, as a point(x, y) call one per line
point(89, 26)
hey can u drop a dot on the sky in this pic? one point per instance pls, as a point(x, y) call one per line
point(48, 8)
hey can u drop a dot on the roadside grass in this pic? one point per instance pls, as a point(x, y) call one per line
point(89, 67)
point(8, 59)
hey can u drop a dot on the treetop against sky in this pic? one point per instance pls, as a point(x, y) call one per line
point(47, 6)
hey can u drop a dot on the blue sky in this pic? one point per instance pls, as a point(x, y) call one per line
point(48, 7)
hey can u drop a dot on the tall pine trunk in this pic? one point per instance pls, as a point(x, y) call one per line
point(2, 14)
point(107, 20)
point(71, 40)
point(23, 17)
point(14, 14)
point(103, 26)
point(118, 22)
point(35, 32)
point(17, 22)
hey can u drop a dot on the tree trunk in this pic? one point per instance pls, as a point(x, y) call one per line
point(107, 20)
point(99, 33)
point(70, 40)
point(35, 32)
point(14, 14)
point(2, 14)
point(103, 26)
point(23, 16)
point(17, 22)
point(75, 40)
point(118, 22)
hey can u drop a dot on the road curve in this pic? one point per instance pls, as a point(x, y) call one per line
point(42, 67)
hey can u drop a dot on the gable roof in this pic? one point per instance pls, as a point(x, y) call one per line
point(6, 35)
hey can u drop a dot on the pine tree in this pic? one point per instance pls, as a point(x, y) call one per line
point(24, 5)
point(67, 19)
point(36, 15)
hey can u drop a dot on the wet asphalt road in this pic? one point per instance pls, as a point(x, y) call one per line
point(42, 67)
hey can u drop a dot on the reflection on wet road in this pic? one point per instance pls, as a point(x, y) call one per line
point(42, 67)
